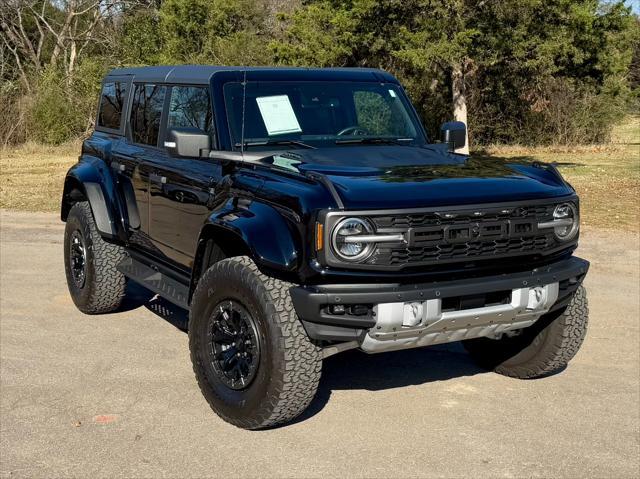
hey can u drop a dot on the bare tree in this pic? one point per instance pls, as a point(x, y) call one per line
point(21, 46)
point(39, 33)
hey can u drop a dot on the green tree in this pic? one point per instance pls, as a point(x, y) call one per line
point(526, 70)
point(426, 43)
point(197, 31)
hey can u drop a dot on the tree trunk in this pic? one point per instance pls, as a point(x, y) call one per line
point(72, 60)
point(460, 103)
point(60, 46)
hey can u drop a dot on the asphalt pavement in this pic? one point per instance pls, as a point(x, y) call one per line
point(115, 395)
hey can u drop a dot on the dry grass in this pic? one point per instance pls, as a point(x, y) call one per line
point(32, 176)
point(607, 177)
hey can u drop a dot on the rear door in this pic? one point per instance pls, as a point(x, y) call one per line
point(111, 120)
point(181, 188)
point(133, 155)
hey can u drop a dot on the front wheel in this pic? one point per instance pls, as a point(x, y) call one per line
point(543, 348)
point(253, 361)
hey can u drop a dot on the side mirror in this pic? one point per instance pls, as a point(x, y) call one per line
point(191, 142)
point(454, 133)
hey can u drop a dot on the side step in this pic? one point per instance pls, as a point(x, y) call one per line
point(151, 278)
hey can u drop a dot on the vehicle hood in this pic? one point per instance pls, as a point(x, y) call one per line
point(379, 176)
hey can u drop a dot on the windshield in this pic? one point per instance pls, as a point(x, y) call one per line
point(322, 113)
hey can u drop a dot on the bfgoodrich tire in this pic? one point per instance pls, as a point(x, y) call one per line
point(95, 285)
point(544, 348)
point(252, 359)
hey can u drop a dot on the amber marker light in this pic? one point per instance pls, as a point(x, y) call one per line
point(319, 236)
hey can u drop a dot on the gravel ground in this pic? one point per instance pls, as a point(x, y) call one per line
point(100, 396)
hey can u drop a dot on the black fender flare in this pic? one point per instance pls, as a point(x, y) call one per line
point(92, 178)
point(255, 228)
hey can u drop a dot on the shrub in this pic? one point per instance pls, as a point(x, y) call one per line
point(63, 109)
point(574, 113)
point(52, 117)
point(15, 111)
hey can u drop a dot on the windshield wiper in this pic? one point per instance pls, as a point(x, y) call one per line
point(374, 140)
point(275, 143)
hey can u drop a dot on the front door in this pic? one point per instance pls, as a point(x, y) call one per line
point(180, 187)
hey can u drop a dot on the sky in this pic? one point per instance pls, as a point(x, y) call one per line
point(635, 4)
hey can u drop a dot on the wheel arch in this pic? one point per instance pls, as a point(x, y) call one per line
point(72, 192)
point(89, 180)
point(255, 230)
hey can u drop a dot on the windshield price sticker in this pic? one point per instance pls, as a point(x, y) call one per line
point(278, 115)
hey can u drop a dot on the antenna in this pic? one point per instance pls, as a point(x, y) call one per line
point(244, 101)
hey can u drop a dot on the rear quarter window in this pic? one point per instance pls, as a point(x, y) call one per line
point(112, 101)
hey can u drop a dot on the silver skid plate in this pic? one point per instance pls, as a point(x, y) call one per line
point(416, 324)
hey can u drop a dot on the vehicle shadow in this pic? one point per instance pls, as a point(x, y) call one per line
point(171, 313)
point(138, 296)
point(371, 372)
point(377, 372)
point(135, 297)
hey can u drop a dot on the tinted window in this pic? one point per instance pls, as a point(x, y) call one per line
point(190, 107)
point(379, 114)
point(146, 111)
point(111, 104)
point(319, 112)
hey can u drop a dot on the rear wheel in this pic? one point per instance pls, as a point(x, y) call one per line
point(95, 285)
point(539, 350)
point(254, 363)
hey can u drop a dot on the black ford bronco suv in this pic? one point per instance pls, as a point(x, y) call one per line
point(298, 213)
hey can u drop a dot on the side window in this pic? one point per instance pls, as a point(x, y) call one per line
point(190, 107)
point(112, 101)
point(146, 112)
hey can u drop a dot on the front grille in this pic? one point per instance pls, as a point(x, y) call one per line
point(419, 220)
point(464, 235)
point(467, 250)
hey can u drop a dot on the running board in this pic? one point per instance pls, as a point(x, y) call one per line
point(152, 279)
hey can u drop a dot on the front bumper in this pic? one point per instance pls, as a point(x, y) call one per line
point(313, 304)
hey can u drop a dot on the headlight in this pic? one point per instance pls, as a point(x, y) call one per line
point(344, 239)
point(566, 221)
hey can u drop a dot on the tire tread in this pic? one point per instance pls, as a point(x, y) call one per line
point(563, 338)
point(108, 286)
point(298, 375)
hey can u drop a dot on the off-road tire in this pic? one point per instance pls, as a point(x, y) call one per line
point(290, 364)
point(544, 348)
point(104, 286)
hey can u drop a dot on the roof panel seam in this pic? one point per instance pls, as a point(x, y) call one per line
point(166, 78)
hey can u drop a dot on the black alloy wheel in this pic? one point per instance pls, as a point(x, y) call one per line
point(251, 355)
point(234, 344)
point(78, 258)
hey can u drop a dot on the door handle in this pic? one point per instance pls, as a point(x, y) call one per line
point(157, 178)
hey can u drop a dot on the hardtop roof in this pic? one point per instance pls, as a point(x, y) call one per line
point(202, 74)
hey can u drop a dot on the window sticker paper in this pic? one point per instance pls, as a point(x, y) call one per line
point(278, 115)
